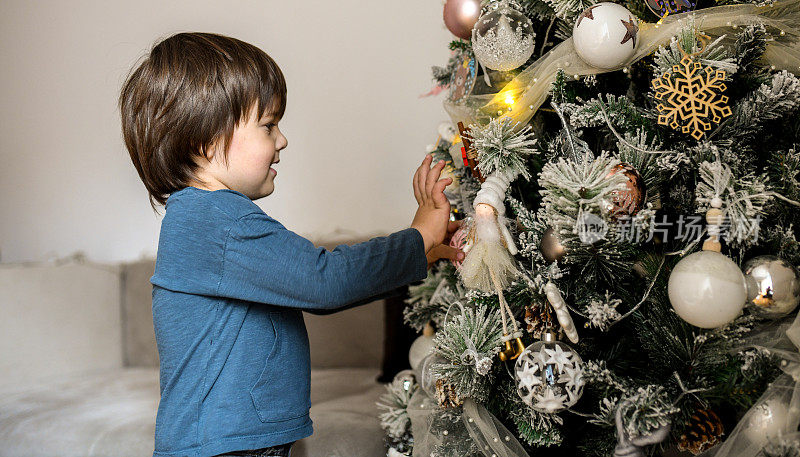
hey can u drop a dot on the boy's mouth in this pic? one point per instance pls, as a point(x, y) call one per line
point(273, 169)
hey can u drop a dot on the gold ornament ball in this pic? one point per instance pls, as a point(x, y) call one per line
point(551, 247)
point(630, 201)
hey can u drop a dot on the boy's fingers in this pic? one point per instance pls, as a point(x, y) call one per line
point(448, 252)
point(452, 226)
point(437, 194)
point(433, 176)
point(415, 186)
point(424, 169)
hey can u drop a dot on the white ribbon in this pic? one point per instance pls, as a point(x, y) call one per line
point(487, 433)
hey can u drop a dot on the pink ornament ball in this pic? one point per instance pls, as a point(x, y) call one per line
point(458, 240)
point(460, 16)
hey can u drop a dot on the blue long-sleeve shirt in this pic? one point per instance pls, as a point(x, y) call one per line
point(229, 289)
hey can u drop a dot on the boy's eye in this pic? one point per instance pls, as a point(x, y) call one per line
point(269, 127)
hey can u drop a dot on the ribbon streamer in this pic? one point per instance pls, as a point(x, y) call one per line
point(775, 416)
point(486, 431)
point(531, 87)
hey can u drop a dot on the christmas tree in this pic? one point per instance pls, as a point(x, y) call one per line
point(627, 177)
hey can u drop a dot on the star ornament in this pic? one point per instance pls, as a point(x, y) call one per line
point(558, 357)
point(529, 378)
point(587, 14)
point(550, 402)
point(631, 29)
point(572, 378)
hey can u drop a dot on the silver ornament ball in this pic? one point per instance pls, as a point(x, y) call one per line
point(551, 247)
point(773, 286)
point(503, 37)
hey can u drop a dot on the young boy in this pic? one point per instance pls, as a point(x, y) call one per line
point(200, 120)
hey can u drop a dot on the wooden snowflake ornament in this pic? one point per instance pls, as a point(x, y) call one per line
point(691, 97)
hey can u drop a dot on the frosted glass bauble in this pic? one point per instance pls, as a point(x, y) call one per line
point(549, 376)
point(604, 35)
point(707, 289)
point(503, 37)
point(421, 347)
point(767, 420)
point(426, 376)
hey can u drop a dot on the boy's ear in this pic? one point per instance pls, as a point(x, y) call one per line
point(210, 151)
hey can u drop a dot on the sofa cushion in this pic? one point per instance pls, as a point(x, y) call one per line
point(112, 413)
point(58, 320)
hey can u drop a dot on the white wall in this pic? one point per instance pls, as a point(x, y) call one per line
point(356, 127)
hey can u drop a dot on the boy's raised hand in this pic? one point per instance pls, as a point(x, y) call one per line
point(433, 213)
point(444, 250)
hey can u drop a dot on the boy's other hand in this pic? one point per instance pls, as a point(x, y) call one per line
point(433, 213)
point(444, 250)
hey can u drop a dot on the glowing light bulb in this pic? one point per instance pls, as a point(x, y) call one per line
point(509, 99)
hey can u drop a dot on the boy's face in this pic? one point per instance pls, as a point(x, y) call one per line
point(254, 148)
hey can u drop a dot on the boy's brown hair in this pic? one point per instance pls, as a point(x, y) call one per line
point(189, 93)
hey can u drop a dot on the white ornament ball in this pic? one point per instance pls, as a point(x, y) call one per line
point(707, 289)
point(773, 286)
point(766, 421)
point(503, 37)
point(549, 376)
point(421, 347)
point(605, 35)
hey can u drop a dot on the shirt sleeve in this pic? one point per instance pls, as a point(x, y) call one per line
point(392, 293)
point(266, 263)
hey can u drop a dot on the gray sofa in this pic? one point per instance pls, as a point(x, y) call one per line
point(79, 366)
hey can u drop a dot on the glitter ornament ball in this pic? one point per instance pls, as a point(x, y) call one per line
point(551, 247)
point(460, 16)
point(604, 35)
point(773, 286)
point(707, 289)
point(549, 375)
point(502, 39)
point(630, 201)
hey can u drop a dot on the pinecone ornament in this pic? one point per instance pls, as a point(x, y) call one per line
point(538, 318)
point(446, 395)
point(704, 432)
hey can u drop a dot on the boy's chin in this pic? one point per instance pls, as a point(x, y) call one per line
point(266, 191)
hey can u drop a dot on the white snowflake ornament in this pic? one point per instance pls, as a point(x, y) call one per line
point(549, 375)
point(604, 35)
